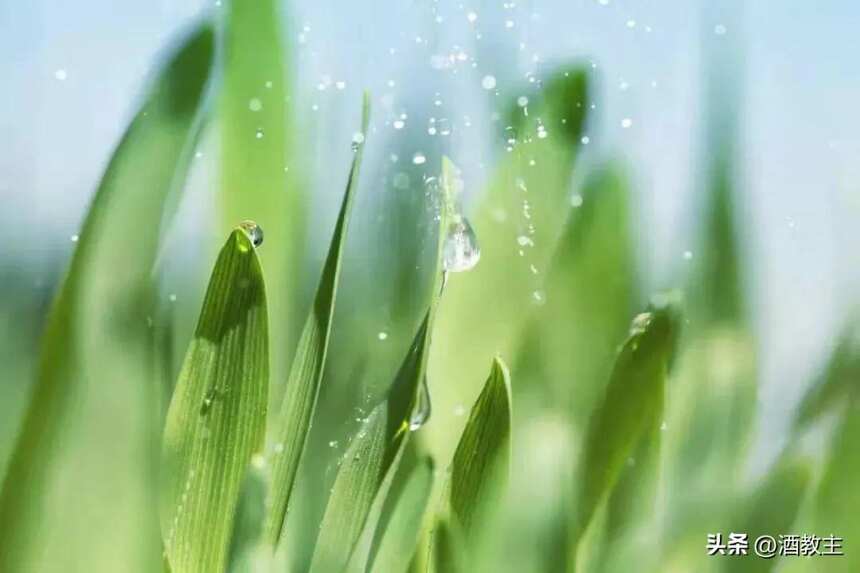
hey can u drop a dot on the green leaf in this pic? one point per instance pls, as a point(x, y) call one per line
point(772, 510)
point(529, 190)
point(248, 524)
point(448, 552)
point(372, 454)
point(483, 456)
point(84, 456)
point(260, 168)
point(838, 381)
point(217, 418)
point(306, 374)
point(375, 451)
point(631, 405)
point(591, 292)
point(399, 528)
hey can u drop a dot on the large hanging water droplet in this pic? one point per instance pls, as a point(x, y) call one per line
point(254, 232)
point(421, 413)
point(460, 251)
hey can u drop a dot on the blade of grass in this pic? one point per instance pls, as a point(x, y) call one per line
point(482, 460)
point(217, 417)
point(399, 527)
point(374, 452)
point(631, 405)
point(303, 384)
point(836, 384)
point(837, 501)
point(591, 292)
point(528, 198)
point(260, 173)
point(772, 510)
point(248, 525)
point(447, 548)
point(97, 335)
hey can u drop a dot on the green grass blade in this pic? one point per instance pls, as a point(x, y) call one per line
point(260, 173)
point(372, 453)
point(245, 542)
point(303, 384)
point(217, 418)
point(839, 381)
point(448, 552)
point(632, 403)
point(772, 510)
point(97, 335)
point(399, 527)
point(527, 200)
point(837, 501)
point(482, 460)
point(591, 292)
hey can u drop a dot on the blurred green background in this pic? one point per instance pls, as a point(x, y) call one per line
point(612, 152)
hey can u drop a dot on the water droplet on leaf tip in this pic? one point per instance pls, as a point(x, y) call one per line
point(253, 231)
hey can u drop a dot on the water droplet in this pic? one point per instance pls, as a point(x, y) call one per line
point(522, 101)
point(208, 400)
point(688, 255)
point(720, 30)
point(631, 23)
point(254, 232)
point(525, 241)
point(399, 124)
point(576, 200)
point(279, 448)
point(472, 16)
point(585, 140)
point(626, 122)
point(259, 133)
point(539, 297)
point(419, 158)
point(640, 323)
point(460, 251)
point(172, 297)
point(258, 461)
point(332, 444)
point(488, 82)
point(459, 410)
point(663, 426)
point(357, 140)
point(255, 104)
point(75, 238)
point(382, 335)
point(61, 75)
point(422, 409)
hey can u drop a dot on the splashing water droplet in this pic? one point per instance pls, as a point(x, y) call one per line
point(422, 409)
point(460, 251)
point(253, 231)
